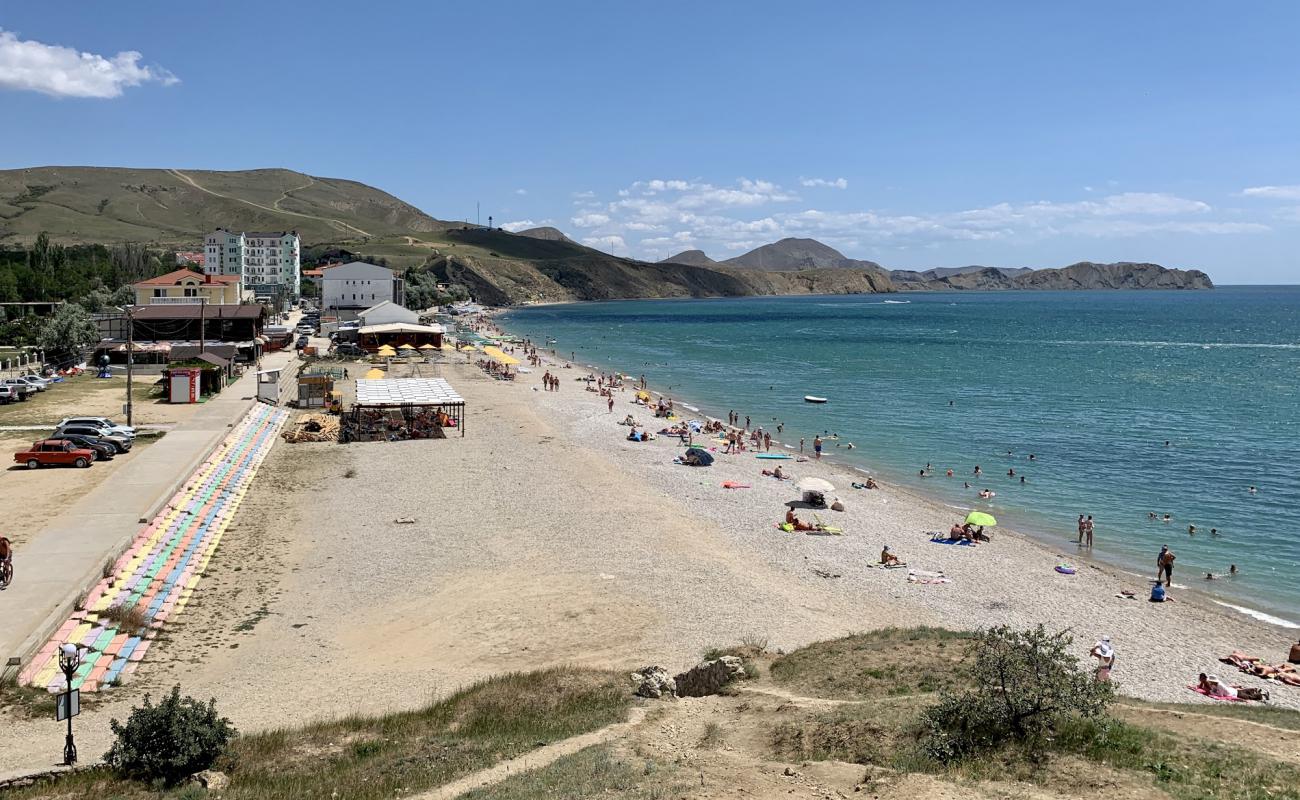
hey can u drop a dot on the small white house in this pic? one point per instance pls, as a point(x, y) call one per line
point(387, 312)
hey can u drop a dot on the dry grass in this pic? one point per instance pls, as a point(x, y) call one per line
point(129, 619)
point(887, 662)
point(367, 758)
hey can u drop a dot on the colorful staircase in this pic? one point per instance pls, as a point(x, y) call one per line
point(160, 569)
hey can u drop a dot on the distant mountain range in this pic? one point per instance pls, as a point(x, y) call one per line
point(175, 208)
point(800, 254)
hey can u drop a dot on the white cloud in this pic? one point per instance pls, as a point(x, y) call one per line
point(838, 183)
point(1273, 192)
point(64, 72)
point(590, 220)
point(655, 218)
point(521, 192)
point(518, 225)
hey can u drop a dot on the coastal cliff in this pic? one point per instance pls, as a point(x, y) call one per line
point(1083, 275)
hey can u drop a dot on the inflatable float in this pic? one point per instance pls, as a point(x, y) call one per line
point(1065, 569)
point(808, 398)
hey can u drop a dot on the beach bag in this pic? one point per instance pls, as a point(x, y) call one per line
point(1157, 594)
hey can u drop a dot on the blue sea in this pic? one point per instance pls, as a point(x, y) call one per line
point(1093, 384)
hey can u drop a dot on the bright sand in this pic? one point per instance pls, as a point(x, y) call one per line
point(544, 537)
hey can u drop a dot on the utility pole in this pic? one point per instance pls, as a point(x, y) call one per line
point(130, 357)
point(203, 307)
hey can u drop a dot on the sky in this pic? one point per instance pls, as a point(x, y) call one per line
point(914, 134)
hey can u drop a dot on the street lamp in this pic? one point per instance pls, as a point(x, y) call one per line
point(69, 705)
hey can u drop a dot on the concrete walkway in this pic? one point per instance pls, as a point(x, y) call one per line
point(68, 556)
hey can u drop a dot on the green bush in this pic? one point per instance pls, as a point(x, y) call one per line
point(169, 741)
point(1021, 687)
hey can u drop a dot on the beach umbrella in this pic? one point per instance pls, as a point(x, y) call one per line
point(427, 347)
point(374, 374)
point(981, 519)
point(814, 485)
point(701, 457)
point(406, 346)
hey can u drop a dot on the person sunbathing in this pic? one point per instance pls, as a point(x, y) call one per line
point(798, 524)
point(887, 558)
point(871, 483)
point(956, 531)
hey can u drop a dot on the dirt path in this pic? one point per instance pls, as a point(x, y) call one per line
point(535, 759)
point(285, 196)
point(276, 209)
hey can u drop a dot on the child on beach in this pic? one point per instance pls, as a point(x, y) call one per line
point(1105, 655)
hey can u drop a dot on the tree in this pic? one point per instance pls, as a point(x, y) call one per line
point(68, 332)
point(1017, 686)
point(169, 741)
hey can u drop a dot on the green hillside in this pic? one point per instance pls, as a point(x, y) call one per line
point(176, 207)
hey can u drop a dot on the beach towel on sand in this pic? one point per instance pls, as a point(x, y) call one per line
point(926, 576)
point(898, 565)
point(941, 539)
point(1201, 691)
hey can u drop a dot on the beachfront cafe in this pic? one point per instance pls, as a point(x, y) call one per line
point(396, 409)
point(396, 334)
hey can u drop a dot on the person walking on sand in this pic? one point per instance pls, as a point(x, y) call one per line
point(1105, 655)
point(611, 404)
point(817, 446)
point(1087, 530)
point(767, 442)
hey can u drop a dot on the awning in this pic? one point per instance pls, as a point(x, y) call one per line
point(497, 354)
point(406, 391)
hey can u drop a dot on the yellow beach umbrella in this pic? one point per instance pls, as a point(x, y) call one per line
point(374, 374)
point(427, 347)
point(406, 346)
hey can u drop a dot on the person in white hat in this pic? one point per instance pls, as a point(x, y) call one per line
point(1105, 655)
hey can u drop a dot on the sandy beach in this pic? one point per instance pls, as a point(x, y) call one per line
point(544, 537)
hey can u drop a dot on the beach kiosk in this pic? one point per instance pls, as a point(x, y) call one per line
point(268, 386)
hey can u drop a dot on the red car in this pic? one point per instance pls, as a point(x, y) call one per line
point(54, 451)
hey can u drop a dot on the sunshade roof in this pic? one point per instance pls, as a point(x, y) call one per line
point(406, 391)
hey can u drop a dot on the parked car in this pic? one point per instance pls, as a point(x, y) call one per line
point(303, 341)
point(49, 452)
point(101, 422)
point(350, 349)
point(24, 389)
point(120, 442)
point(104, 450)
point(8, 394)
point(38, 381)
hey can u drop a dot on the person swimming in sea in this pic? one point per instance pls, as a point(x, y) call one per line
point(1252, 490)
point(1232, 569)
point(1167, 518)
point(1011, 473)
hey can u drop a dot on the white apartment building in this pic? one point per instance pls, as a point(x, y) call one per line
point(350, 288)
point(265, 261)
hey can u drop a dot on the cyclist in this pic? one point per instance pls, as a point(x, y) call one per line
point(6, 559)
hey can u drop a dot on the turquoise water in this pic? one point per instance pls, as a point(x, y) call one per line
point(1092, 383)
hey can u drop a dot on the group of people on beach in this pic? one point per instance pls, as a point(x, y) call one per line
point(550, 382)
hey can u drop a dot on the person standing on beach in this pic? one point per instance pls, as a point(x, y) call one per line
point(1105, 655)
point(611, 404)
point(1081, 528)
point(817, 446)
point(1087, 529)
point(767, 442)
point(800, 444)
point(746, 423)
point(1165, 566)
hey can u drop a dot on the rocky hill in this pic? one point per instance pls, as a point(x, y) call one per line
point(547, 233)
point(792, 253)
point(1084, 275)
point(695, 258)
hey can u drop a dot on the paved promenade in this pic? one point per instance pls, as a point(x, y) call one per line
point(68, 556)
